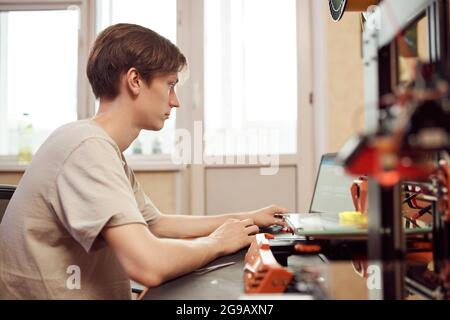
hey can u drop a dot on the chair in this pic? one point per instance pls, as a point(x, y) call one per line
point(6, 193)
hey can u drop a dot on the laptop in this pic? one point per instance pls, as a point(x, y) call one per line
point(330, 197)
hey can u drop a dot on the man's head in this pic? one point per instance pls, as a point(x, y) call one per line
point(123, 46)
point(131, 58)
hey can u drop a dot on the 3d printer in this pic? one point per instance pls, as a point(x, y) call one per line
point(403, 155)
point(407, 142)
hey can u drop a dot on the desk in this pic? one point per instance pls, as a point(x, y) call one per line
point(227, 283)
point(221, 284)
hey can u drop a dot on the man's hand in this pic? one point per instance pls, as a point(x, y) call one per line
point(233, 235)
point(268, 216)
point(187, 226)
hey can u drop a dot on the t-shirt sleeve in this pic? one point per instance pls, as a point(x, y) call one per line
point(150, 212)
point(93, 191)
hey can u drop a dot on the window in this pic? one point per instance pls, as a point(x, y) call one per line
point(250, 68)
point(38, 74)
point(160, 16)
point(250, 76)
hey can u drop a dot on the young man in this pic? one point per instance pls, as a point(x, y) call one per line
point(79, 225)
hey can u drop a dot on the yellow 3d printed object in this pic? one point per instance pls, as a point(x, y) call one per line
point(352, 218)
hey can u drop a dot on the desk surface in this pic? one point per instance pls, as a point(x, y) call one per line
point(227, 283)
point(222, 284)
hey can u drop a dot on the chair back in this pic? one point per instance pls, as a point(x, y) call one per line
point(6, 193)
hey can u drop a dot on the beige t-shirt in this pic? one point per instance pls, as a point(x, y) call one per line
point(50, 236)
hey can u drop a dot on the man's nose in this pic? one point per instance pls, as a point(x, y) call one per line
point(174, 102)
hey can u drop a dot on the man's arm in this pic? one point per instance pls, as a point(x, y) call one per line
point(152, 261)
point(184, 226)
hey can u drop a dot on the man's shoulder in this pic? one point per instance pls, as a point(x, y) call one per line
point(77, 133)
point(81, 136)
point(82, 128)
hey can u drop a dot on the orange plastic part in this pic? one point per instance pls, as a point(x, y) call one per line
point(444, 178)
point(424, 257)
point(359, 191)
point(307, 248)
point(262, 273)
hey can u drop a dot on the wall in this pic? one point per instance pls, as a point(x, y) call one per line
point(339, 108)
point(338, 78)
point(10, 177)
point(345, 82)
point(159, 186)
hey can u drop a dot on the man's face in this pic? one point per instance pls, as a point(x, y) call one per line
point(155, 101)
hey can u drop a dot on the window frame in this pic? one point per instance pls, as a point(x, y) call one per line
point(191, 94)
point(190, 38)
point(85, 99)
point(287, 156)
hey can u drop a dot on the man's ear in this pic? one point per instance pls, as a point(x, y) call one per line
point(133, 81)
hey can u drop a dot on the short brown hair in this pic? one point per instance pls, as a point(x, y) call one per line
point(123, 46)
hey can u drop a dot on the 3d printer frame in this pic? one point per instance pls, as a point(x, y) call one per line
point(386, 245)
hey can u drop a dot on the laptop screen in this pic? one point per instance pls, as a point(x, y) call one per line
point(332, 190)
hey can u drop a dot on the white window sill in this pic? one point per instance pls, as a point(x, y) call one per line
point(135, 162)
point(154, 165)
point(12, 167)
